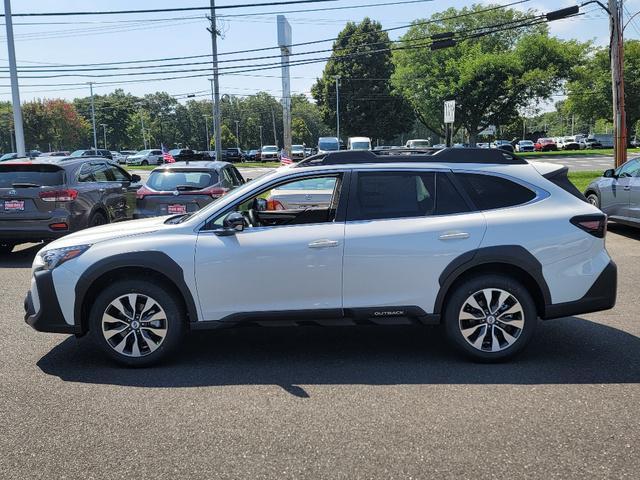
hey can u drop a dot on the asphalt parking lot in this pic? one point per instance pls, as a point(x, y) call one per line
point(351, 402)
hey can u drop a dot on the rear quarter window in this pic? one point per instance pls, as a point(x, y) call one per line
point(489, 192)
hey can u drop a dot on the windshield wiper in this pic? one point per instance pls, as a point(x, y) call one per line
point(25, 185)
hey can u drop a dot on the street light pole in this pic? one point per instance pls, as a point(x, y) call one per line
point(144, 138)
point(337, 77)
point(206, 126)
point(93, 118)
point(104, 132)
point(13, 73)
point(237, 134)
point(261, 143)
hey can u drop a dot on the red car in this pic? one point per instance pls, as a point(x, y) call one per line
point(545, 144)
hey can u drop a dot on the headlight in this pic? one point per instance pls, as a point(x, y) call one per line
point(55, 257)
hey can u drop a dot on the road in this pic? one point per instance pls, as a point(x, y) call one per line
point(351, 402)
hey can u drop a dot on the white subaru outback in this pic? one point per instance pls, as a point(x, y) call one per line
point(476, 239)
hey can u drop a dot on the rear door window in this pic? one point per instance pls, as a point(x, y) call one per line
point(387, 195)
point(13, 176)
point(488, 192)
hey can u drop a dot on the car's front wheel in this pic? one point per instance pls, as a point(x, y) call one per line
point(490, 317)
point(136, 322)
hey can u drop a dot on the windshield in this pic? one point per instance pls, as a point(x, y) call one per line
point(77, 153)
point(164, 181)
point(418, 143)
point(526, 142)
point(297, 148)
point(329, 145)
point(142, 153)
point(360, 145)
point(269, 149)
point(8, 156)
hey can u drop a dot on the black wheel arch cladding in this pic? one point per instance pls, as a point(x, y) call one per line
point(509, 255)
point(149, 260)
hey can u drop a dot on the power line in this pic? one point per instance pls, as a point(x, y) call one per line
point(312, 42)
point(164, 10)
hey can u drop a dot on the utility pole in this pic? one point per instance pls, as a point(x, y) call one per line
point(93, 119)
point(284, 42)
point(144, 138)
point(13, 73)
point(273, 120)
point(206, 126)
point(104, 132)
point(261, 137)
point(617, 82)
point(337, 77)
point(237, 134)
point(214, 82)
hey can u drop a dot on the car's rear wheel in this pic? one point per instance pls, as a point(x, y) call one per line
point(490, 317)
point(97, 219)
point(136, 322)
point(144, 163)
point(6, 248)
point(593, 199)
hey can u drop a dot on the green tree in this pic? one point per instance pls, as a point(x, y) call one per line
point(491, 77)
point(589, 93)
point(228, 138)
point(369, 106)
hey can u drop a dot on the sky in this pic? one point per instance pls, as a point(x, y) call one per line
point(88, 39)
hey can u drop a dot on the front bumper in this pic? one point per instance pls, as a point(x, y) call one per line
point(45, 314)
point(601, 296)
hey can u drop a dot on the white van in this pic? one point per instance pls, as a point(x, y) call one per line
point(359, 143)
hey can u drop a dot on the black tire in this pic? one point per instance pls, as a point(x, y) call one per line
point(173, 325)
point(6, 248)
point(593, 199)
point(490, 331)
point(144, 163)
point(97, 219)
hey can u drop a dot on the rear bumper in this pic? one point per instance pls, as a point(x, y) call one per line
point(45, 315)
point(32, 230)
point(601, 296)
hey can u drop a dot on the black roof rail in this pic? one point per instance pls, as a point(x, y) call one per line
point(490, 156)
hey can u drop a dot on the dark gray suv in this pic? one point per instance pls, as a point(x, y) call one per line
point(46, 199)
point(182, 187)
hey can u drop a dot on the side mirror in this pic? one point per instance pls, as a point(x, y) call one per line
point(609, 173)
point(233, 223)
point(260, 204)
point(135, 178)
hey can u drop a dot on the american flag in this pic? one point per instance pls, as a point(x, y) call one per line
point(166, 156)
point(284, 159)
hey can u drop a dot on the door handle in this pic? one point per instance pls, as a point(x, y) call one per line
point(454, 236)
point(324, 243)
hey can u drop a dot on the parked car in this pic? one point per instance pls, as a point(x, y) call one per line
point(297, 152)
point(440, 145)
point(545, 145)
point(46, 199)
point(482, 145)
point(328, 144)
point(181, 187)
point(13, 155)
point(61, 153)
point(308, 152)
point(358, 143)
point(570, 143)
point(185, 155)
point(310, 193)
point(92, 153)
point(268, 153)
point(251, 155)
point(118, 157)
point(502, 145)
point(233, 155)
point(146, 157)
point(604, 139)
point(478, 240)
point(617, 193)
point(417, 143)
point(525, 146)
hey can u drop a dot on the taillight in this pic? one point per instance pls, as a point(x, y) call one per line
point(215, 192)
point(595, 225)
point(59, 195)
point(142, 191)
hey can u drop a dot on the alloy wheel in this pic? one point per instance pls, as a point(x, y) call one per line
point(491, 320)
point(134, 325)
